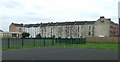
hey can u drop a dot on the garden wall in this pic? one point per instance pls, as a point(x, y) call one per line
point(102, 39)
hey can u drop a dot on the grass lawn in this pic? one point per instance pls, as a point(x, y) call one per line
point(104, 46)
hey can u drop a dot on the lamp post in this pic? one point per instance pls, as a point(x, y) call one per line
point(119, 16)
point(119, 27)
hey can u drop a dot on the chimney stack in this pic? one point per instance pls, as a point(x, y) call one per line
point(41, 22)
point(101, 16)
point(109, 19)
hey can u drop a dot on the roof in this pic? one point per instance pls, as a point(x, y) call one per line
point(30, 25)
point(37, 25)
point(77, 23)
point(18, 25)
point(52, 24)
point(80, 22)
point(44, 24)
point(57, 24)
point(1, 30)
point(90, 22)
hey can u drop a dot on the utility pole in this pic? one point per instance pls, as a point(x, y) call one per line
point(119, 16)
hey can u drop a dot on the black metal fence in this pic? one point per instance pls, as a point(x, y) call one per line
point(11, 43)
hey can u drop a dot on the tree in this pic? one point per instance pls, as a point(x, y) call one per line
point(59, 37)
point(53, 36)
point(38, 36)
point(25, 34)
point(81, 36)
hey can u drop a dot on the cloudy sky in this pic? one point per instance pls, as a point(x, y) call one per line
point(37, 11)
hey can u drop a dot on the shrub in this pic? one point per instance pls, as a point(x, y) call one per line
point(81, 36)
point(38, 36)
point(25, 34)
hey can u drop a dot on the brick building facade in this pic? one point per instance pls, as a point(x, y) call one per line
point(14, 27)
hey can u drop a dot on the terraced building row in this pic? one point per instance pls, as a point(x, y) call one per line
point(102, 27)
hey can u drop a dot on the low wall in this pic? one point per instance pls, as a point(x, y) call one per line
point(102, 39)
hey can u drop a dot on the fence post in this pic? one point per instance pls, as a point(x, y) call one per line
point(34, 42)
point(77, 41)
point(53, 41)
point(80, 40)
point(44, 41)
point(60, 41)
point(16, 40)
point(22, 42)
point(85, 40)
point(8, 42)
point(72, 40)
point(56, 40)
point(69, 40)
point(65, 41)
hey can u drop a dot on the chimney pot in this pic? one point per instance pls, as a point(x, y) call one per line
point(101, 16)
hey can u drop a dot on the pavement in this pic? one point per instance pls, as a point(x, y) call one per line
point(59, 53)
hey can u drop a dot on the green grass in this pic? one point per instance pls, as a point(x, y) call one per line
point(19, 46)
point(104, 46)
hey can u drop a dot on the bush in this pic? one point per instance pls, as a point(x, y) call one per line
point(38, 36)
point(53, 36)
point(25, 34)
point(59, 37)
point(81, 36)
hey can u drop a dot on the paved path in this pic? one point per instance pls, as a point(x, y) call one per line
point(59, 53)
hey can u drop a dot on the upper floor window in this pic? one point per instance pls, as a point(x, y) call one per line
point(82, 33)
point(20, 29)
point(82, 27)
point(89, 33)
point(89, 27)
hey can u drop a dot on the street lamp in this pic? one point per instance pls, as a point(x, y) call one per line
point(119, 16)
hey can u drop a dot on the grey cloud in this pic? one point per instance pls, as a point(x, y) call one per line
point(36, 19)
point(6, 21)
point(39, 7)
point(31, 13)
point(10, 5)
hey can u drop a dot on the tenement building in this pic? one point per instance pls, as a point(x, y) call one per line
point(102, 27)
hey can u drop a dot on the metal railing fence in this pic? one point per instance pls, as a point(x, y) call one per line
point(11, 43)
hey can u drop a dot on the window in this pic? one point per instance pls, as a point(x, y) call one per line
point(89, 33)
point(82, 27)
point(82, 33)
point(89, 27)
